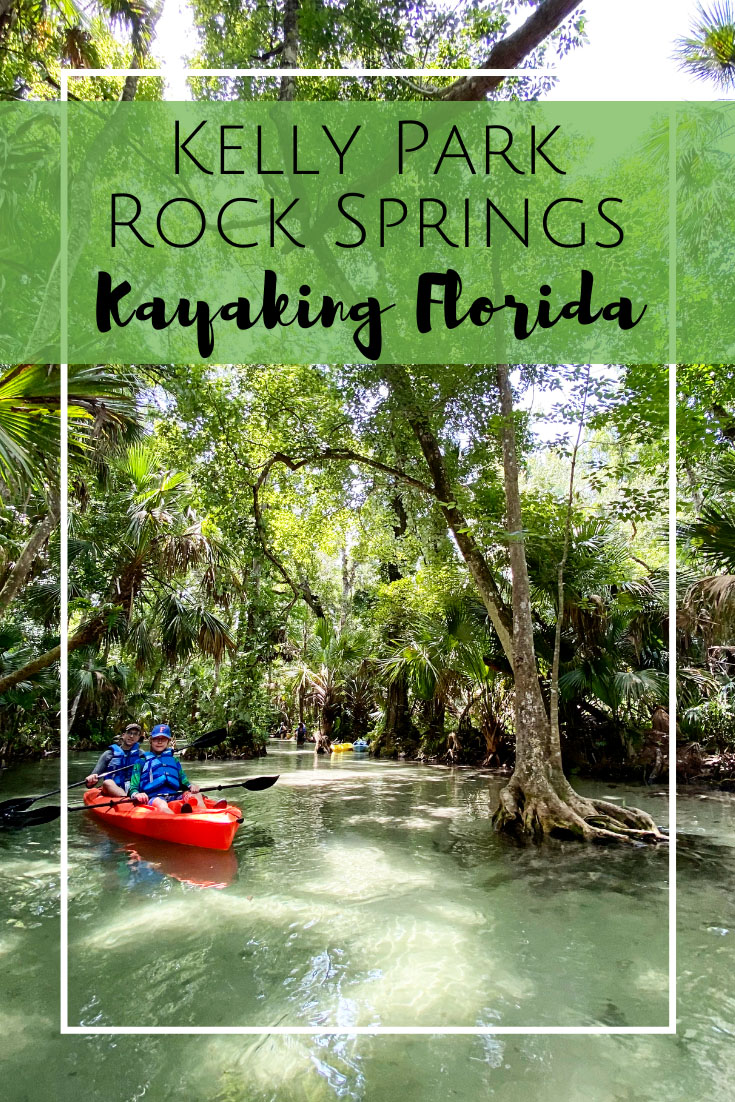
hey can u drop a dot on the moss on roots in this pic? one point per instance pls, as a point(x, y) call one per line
point(539, 811)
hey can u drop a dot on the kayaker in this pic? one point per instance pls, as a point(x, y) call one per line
point(159, 777)
point(301, 733)
point(118, 756)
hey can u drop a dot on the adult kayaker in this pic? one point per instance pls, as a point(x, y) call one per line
point(159, 777)
point(121, 757)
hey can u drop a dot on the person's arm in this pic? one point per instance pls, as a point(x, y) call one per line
point(185, 782)
point(134, 790)
point(102, 766)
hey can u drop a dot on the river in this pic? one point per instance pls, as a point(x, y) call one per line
point(363, 893)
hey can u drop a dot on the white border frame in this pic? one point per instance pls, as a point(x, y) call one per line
point(335, 1031)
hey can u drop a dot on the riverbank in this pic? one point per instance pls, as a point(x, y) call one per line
point(696, 769)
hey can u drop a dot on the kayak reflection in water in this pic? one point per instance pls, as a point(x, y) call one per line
point(159, 777)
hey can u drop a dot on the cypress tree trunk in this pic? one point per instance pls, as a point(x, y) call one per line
point(539, 800)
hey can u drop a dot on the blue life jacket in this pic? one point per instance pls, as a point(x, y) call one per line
point(122, 758)
point(161, 774)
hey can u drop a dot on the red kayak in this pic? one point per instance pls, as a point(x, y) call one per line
point(211, 829)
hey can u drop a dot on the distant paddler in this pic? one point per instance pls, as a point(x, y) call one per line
point(121, 757)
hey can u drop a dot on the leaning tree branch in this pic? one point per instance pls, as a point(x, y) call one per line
point(427, 90)
point(512, 50)
point(299, 589)
point(268, 54)
point(88, 634)
point(346, 455)
point(497, 610)
point(16, 578)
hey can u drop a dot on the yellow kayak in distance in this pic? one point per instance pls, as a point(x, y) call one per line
point(340, 747)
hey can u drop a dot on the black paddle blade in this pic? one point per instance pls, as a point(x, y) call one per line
point(257, 784)
point(210, 739)
point(20, 819)
point(9, 807)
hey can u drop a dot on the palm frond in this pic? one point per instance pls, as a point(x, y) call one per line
point(709, 51)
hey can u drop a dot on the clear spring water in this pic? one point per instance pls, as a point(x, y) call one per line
point(368, 893)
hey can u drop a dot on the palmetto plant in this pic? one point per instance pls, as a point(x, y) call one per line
point(709, 51)
point(622, 662)
point(442, 656)
point(707, 610)
point(330, 663)
point(30, 412)
point(598, 558)
point(96, 684)
point(613, 627)
point(153, 564)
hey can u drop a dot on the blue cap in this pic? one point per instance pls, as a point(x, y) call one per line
point(161, 729)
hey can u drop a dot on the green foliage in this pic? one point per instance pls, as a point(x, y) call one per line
point(709, 51)
point(99, 404)
point(38, 37)
point(712, 721)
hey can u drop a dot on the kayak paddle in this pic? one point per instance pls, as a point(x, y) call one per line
point(254, 784)
point(8, 807)
point(17, 819)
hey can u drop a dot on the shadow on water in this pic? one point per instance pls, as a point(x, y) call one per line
point(705, 856)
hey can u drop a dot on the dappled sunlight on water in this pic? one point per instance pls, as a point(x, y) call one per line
point(369, 893)
point(359, 905)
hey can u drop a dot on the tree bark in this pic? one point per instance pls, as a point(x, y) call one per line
point(18, 575)
point(89, 633)
point(554, 687)
point(442, 489)
point(399, 531)
point(147, 31)
point(538, 799)
point(513, 49)
point(290, 52)
point(348, 582)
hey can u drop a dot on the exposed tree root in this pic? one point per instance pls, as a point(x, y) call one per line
point(538, 811)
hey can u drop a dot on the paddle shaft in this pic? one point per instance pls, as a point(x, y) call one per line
point(253, 784)
point(209, 739)
point(203, 740)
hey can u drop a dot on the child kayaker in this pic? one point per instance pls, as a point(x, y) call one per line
point(159, 777)
point(118, 757)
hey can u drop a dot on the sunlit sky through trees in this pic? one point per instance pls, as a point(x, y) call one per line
point(628, 55)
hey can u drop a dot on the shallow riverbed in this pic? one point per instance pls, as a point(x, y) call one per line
point(369, 893)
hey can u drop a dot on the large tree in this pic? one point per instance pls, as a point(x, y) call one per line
point(404, 426)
